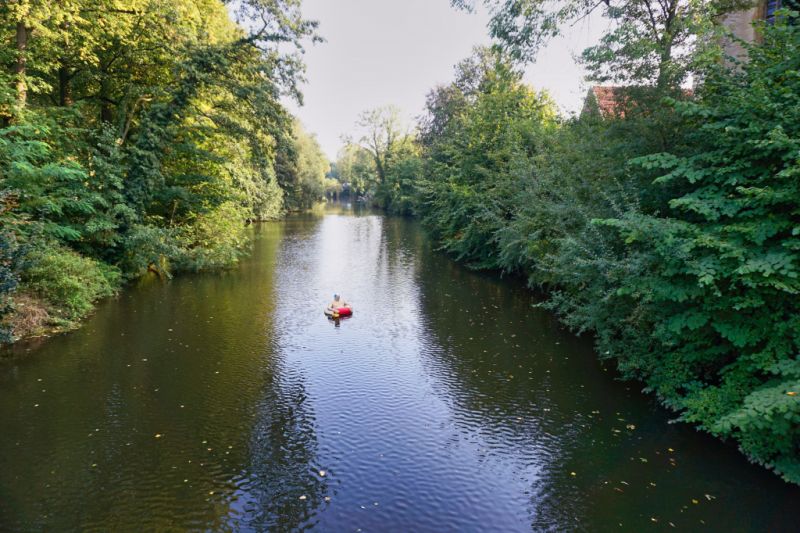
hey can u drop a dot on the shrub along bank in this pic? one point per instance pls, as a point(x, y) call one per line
point(671, 230)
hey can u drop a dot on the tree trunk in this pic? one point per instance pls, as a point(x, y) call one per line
point(64, 75)
point(21, 67)
point(105, 101)
point(379, 167)
point(665, 67)
point(64, 87)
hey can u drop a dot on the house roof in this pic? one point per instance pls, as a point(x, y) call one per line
point(607, 100)
point(613, 101)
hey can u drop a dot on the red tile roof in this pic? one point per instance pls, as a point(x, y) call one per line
point(613, 101)
point(607, 100)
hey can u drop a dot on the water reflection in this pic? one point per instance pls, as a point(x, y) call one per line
point(229, 402)
point(593, 452)
point(170, 409)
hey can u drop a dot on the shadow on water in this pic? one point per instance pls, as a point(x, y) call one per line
point(228, 402)
point(169, 409)
point(594, 452)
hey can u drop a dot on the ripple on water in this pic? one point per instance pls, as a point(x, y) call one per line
point(214, 402)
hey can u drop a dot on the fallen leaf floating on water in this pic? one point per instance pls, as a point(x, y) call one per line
point(303, 497)
point(158, 435)
point(322, 473)
point(791, 393)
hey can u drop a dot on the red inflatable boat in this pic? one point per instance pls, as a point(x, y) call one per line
point(338, 313)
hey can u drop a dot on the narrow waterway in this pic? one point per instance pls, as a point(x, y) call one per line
point(228, 402)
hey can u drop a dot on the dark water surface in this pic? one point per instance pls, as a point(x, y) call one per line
point(217, 402)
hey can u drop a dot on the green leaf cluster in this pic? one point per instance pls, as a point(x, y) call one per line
point(669, 231)
point(141, 136)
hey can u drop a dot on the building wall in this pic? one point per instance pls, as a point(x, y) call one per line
point(741, 25)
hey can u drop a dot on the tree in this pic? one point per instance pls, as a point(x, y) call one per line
point(490, 123)
point(651, 42)
point(356, 169)
point(141, 135)
point(383, 134)
point(721, 265)
point(312, 166)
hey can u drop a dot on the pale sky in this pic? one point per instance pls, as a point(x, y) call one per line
point(382, 52)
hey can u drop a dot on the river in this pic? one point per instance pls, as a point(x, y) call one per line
point(228, 402)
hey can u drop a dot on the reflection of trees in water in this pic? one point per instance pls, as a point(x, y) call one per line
point(284, 489)
point(281, 487)
point(491, 357)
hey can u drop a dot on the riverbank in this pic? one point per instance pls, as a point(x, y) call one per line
point(156, 164)
point(62, 289)
point(235, 384)
point(665, 226)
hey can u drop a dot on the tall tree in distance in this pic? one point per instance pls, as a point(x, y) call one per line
point(310, 171)
point(383, 135)
point(355, 168)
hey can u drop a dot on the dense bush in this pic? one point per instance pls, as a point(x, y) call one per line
point(720, 272)
point(68, 282)
point(473, 164)
point(671, 231)
point(215, 239)
point(398, 194)
point(8, 281)
point(141, 139)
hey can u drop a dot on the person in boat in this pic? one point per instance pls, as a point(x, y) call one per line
point(337, 303)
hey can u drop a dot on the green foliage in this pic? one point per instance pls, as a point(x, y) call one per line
point(69, 282)
point(9, 279)
point(723, 270)
point(470, 182)
point(670, 231)
point(356, 169)
point(310, 168)
point(66, 200)
point(215, 239)
point(143, 135)
point(651, 42)
point(382, 166)
point(398, 195)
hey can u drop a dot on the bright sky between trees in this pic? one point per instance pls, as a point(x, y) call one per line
point(382, 52)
